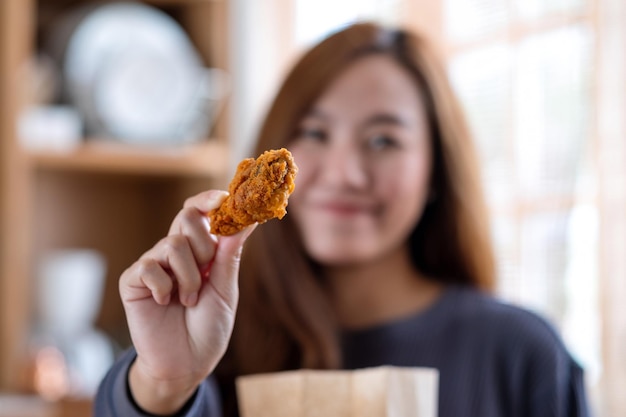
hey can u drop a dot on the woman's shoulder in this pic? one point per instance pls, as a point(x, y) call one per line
point(504, 323)
point(521, 349)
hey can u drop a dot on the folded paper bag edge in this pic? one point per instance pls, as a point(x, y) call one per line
point(383, 391)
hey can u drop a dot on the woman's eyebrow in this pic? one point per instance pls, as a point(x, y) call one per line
point(386, 119)
point(316, 113)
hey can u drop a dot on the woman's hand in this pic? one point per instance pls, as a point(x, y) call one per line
point(180, 299)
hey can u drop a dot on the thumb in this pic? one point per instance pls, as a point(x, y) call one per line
point(225, 268)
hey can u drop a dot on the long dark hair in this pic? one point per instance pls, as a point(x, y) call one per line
point(284, 319)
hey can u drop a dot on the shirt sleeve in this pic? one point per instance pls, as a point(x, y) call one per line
point(550, 381)
point(557, 388)
point(113, 398)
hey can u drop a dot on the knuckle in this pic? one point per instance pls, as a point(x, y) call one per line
point(236, 259)
point(190, 282)
point(188, 202)
point(232, 262)
point(183, 217)
point(146, 267)
point(162, 289)
point(187, 213)
point(175, 243)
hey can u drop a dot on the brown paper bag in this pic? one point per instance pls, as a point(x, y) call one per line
point(373, 392)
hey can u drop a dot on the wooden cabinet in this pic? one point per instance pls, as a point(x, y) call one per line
point(105, 195)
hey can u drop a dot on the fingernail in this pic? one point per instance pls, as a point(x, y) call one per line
point(166, 299)
point(191, 299)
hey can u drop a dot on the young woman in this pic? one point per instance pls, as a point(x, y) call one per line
point(383, 259)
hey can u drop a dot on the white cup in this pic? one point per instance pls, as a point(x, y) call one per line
point(70, 290)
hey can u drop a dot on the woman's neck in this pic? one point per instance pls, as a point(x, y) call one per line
point(380, 291)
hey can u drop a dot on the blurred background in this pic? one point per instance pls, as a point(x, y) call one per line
point(111, 114)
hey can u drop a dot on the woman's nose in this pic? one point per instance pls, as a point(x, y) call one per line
point(343, 166)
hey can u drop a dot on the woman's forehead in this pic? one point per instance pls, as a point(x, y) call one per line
point(371, 87)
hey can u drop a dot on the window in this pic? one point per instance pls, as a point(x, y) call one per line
point(524, 71)
point(315, 20)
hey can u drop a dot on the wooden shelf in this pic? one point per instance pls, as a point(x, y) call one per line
point(103, 194)
point(208, 159)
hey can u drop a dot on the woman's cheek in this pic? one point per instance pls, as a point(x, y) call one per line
point(306, 162)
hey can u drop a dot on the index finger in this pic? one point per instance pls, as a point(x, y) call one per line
point(189, 222)
point(206, 200)
point(203, 203)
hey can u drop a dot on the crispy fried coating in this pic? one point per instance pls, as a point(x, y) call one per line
point(258, 192)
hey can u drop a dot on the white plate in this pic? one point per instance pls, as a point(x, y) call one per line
point(134, 75)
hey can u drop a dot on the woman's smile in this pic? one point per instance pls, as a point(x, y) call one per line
point(343, 208)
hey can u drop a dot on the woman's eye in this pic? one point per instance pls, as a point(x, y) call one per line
point(380, 142)
point(311, 134)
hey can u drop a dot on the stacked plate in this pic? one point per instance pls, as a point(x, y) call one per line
point(134, 75)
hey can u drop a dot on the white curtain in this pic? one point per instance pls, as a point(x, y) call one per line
point(611, 170)
point(543, 85)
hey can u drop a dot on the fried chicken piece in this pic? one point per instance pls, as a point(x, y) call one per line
point(258, 192)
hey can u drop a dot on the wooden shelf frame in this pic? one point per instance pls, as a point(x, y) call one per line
point(206, 160)
point(112, 196)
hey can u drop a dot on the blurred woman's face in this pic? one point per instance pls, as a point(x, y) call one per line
point(364, 158)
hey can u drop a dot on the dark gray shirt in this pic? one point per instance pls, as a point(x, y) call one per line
point(494, 360)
